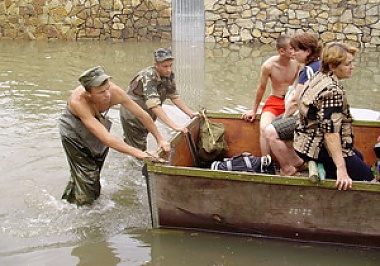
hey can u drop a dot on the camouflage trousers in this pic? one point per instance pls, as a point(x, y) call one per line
point(135, 134)
point(84, 185)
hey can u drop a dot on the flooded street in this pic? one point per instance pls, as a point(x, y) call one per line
point(38, 228)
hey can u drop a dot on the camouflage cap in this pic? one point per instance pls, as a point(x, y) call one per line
point(163, 54)
point(93, 77)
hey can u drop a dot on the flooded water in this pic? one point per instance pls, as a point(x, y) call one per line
point(38, 228)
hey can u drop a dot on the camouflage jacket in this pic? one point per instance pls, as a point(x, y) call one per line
point(148, 89)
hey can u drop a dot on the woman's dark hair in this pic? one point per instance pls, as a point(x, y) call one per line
point(307, 41)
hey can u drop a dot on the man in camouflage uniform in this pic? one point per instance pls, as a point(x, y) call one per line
point(149, 89)
point(84, 129)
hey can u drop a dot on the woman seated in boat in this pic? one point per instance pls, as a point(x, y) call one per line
point(280, 133)
point(324, 128)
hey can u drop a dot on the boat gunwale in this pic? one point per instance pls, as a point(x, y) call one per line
point(180, 171)
point(176, 137)
point(369, 123)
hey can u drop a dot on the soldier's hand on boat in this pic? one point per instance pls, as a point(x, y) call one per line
point(163, 146)
point(343, 181)
point(154, 157)
point(192, 115)
point(184, 130)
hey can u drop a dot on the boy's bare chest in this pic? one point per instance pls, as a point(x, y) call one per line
point(284, 75)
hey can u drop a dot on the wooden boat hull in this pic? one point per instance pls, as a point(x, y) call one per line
point(183, 196)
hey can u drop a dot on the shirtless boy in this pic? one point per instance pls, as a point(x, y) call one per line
point(282, 71)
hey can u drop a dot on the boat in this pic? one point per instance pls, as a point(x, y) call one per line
point(184, 196)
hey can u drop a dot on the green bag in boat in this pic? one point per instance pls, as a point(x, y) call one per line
point(212, 144)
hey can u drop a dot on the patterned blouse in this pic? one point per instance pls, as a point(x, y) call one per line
point(323, 108)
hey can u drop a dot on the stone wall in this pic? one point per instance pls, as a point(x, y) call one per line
point(141, 20)
point(226, 21)
point(356, 21)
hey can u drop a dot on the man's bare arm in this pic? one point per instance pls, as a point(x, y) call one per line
point(262, 86)
point(82, 110)
point(260, 91)
point(144, 117)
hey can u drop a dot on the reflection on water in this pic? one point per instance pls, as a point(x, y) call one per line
point(190, 71)
point(37, 227)
point(98, 253)
point(182, 248)
point(232, 72)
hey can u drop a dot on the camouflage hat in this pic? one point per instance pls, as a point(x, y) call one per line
point(163, 54)
point(93, 77)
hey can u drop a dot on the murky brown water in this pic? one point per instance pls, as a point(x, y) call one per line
point(37, 228)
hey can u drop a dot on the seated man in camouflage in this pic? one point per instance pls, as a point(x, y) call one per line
point(149, 89)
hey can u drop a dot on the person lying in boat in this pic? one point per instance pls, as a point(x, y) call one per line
point(280, 133)
point(85, 136)
point(149, 89)
point(324, 128)
point(282, 71)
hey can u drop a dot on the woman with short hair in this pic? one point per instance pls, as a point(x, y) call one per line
point(324, 128)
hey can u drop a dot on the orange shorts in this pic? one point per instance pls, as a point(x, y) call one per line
point(274, 105)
